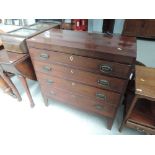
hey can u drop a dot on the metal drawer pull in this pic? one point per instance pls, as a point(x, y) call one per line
point(50, 81)
point(44, 56)
point(105, 68)
point(99, 107)
point(47, 68)
point(101, 96)
point(104, 83)
point(140, 130)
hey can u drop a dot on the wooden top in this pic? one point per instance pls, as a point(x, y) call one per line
point(7, 28)
point(92, 42)
point(145, 81)
point(11, 57)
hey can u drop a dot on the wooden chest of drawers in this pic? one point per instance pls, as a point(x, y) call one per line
point(85, 70)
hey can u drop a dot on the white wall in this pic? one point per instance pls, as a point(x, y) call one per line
point(118, 27)
point(95, 25)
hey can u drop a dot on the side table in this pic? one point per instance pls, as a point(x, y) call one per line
point(140, 112)
point(20, 65)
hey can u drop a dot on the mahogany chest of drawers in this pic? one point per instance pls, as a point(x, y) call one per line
point(85, 70)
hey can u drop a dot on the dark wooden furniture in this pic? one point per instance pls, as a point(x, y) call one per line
point(108, 25)
point(88, 71)
point(140, 108)
point(19, 64)
point(139, 28)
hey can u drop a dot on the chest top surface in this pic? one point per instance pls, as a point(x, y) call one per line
point(145, 81)
point(95, 42)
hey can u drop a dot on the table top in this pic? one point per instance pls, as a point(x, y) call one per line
point(11, 57)
point(7, 28)
point(94, 42)
point(145, 81)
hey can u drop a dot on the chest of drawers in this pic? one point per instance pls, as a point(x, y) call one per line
point(85, 70)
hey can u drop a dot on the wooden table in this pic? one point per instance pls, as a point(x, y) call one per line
point(19, 64)
point(141, 112)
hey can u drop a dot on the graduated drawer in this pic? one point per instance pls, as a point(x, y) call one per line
point(92, 79)
point(84, 63)
point(78, 101)
point(140, 128)
point(93, 93)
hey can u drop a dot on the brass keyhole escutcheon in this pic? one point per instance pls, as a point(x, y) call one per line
point(72, 72)
point(71, 58)
point(73, 84)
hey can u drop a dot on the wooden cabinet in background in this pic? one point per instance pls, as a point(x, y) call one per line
point(139, 28)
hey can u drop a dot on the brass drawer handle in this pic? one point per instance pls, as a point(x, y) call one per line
point(140, 130)
point(47, 68)
point(103, 83)
point(100, 96)
point(50, 81)
point(105, 68)
point(44, 56)
point(99, 107)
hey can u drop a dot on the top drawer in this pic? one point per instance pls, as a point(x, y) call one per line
point(84, 63)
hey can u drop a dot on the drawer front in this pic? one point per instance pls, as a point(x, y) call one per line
point(79, 101)
point(84, 77)
point(140, 128)
point(84, 63)
point(96, 94)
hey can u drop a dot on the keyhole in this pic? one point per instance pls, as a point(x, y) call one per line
point(71, 58)
point(72, 71)
point(73, 84)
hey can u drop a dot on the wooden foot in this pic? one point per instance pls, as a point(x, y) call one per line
point(12, 86)
point(24, 83)
point(45, 100)
point(110, 123)
point(128, 112)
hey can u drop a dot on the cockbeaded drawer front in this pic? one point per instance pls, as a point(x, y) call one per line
point(79, 101)
point(96, 94)
point(83, 63)
point(84, 77)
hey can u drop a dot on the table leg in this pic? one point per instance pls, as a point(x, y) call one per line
point(45, 100)
point(12, 86)
point(24, 83)
point(129, 112)
point(110, 123)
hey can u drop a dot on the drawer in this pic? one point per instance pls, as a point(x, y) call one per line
point(140, 128)
point(92, 79)
point(84, 63)
point(79, 101)
point(93, 93)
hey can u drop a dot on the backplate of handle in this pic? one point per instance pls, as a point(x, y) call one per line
point(47, 68)
point(103, 83)
point(99, 107)
point(50, 81)
point(100, 96)
point(44, 56)
point(105, 68)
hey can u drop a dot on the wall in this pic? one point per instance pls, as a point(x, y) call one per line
point(95, 25)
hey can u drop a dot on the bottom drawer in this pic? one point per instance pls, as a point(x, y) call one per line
point(79, 101)
point(140, 128)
